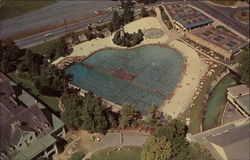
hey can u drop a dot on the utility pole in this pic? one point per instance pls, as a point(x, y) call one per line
point(66, 28)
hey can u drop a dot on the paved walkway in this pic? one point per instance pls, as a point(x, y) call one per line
point(194, 71)
point(130, 138)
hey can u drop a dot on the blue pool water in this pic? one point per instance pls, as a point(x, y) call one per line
point(157, 71)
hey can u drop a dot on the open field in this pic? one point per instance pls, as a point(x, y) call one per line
point(124, 154)
point(52, 102)
point(16, 8)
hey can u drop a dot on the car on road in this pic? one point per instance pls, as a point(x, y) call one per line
point(234, 6)
point(48, 34)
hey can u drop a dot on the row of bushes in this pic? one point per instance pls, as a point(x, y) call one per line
point(165, 18)
point(91, 35)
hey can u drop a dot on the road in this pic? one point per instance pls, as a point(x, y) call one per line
point(52, 15)
point(58, 32)
point(224, 14)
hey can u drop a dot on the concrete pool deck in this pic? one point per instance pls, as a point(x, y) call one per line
point(89, 47)
point(184, 91)
point(194, 70)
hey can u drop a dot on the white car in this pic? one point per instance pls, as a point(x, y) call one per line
point(48, 34)
point(234, 6)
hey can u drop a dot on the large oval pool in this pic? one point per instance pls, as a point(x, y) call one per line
point(142, 76)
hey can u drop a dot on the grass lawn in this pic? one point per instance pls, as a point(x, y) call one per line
point(52, 102)
point(196, 112)
point(44, 48)
point(124, 154)
point(13, 8)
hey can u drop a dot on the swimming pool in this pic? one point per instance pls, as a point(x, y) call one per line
point(142, 76)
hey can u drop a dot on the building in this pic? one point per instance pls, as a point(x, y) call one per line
point(231, 145)
point(186, 18)
point(219, 41)
point(27, 129)
point(239, 97)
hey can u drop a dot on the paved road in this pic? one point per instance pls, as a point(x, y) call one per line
point(130, 138)
point(224, 14)
point(78, 9)
point(58, 32)
point(53, 15)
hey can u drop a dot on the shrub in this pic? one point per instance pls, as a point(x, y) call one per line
point(100, 35)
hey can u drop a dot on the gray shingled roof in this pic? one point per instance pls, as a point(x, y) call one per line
point(235, 142)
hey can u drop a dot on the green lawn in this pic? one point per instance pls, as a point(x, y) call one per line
point(44, 48)
point(124, 154)
point(52, 102)
point(13, 8)
point(216, 102)
point(196, 112)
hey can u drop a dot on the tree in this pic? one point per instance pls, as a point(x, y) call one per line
point(156, 148)
point(72, 106)
point(128, 115)
point(32, 63)
point(89, 35)
point(144, 12)
point(7, 66)
point(175, 132)
point(244, 68)
point(128, 39)
point(93, 115)
point(62, 47)
point(9, 55)
point(128, 15)
point(100, 35)
point(116, 21)
point(51, 81)
point(153, 115)
point(90, 28)
point(110, 27)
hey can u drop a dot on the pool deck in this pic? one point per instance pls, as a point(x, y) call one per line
point(184, 91)
point(194, 70)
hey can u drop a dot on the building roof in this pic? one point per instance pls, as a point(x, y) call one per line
point(235, 142)
point(244, 102)
point(238, 90)
point(219, 38)
point(21, 114)
point(35, 148)
point(187, 16)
